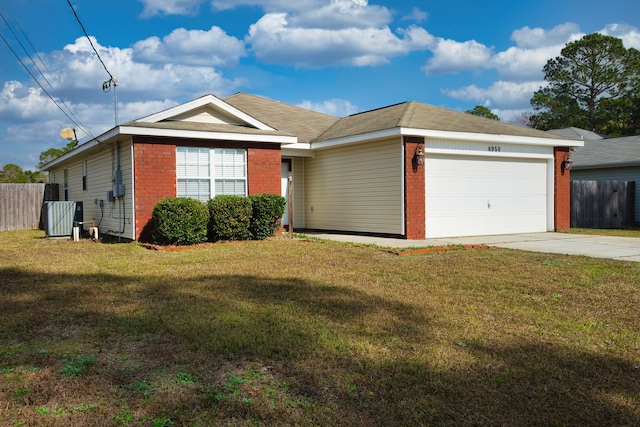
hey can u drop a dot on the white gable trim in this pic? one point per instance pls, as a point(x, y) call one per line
point(200, 102)
point(448, 135)
point(227, 136)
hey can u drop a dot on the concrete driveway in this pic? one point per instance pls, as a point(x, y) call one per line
point(618, 248)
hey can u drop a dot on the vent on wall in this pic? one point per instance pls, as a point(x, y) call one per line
point(59, 217)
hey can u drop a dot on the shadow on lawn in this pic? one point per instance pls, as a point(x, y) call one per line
point(313, 337)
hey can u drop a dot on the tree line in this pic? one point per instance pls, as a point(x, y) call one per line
point(594, 84)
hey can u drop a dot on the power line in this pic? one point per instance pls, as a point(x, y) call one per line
point(25, 51)
point(32, 47)
point(106, 86)
point(89, 38)
point(75, 119)
point(43, 89)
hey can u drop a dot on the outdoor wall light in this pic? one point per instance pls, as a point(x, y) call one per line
point(418, 155)
point(566, 162)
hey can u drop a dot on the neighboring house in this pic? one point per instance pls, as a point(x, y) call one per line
point(606, 159)
point(409, 170)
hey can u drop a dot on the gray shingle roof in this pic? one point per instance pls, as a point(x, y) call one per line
point(624, 151)
point(301, 122)
point(573, 132)
point(423, 116)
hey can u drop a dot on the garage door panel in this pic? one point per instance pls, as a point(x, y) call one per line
point(479, 196)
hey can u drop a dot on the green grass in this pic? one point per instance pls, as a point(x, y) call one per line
point(311, 332)
point(617, 232)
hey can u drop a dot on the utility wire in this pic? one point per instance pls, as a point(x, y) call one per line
point(32, 47)
point(76, 120)
point(79, 125)
point(25, 50)
point(40, 84)
point(89, 38)
point(66, 103)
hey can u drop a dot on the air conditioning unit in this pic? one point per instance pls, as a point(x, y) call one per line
point(60, 216)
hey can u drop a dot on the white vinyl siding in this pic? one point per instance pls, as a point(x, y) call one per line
point(355, 188)
point(115, 218)
point(203, 173)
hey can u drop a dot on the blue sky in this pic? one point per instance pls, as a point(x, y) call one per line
point(335, 56)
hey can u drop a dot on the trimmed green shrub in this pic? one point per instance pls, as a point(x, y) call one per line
point(180, 221)
point(267, 214)
point(229, 218)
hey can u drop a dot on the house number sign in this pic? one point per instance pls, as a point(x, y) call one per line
point(494, 148)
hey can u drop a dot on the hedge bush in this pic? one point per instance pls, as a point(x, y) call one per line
point(180, 221)
point(267, 214)
point(229, 218)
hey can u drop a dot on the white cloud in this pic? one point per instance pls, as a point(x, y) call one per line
point(520, 68)
point(630, 35)
point(341, 14)
point(335, 107)
point(274, 40)
point(533, 38)
point(170, 7)
point(191, 47)
point(79, 74)
point(416, 15)
point(523, 64)
point(450, 56)
point(22, 103)
point(501, 93)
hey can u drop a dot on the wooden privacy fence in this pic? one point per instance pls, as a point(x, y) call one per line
point(602, 204)
point(21, 205)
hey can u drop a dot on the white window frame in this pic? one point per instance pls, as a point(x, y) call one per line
point(207, 168)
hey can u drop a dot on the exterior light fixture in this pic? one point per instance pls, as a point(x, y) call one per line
point(418, 155)
point(566, 162)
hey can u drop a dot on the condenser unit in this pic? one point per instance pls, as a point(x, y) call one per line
point(60, 216)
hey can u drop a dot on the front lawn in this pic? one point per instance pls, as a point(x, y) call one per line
point(313, 333)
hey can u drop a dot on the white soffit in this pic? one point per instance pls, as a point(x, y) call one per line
point(200, 102)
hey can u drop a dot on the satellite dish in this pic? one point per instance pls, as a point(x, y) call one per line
point(69, 134)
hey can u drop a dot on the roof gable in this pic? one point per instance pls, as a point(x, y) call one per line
point(206, 109)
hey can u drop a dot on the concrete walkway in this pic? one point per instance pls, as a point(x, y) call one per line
point(618, 248)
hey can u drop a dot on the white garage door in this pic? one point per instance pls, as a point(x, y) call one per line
point(472, 196)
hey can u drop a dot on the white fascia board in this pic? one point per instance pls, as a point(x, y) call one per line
point(82, 148)
point(227, 136)
point(437, 134)
point(297, 150)
point(200, 102)
point(488, 137)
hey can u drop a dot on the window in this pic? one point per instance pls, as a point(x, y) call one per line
point(203, 173)
point(84, 176)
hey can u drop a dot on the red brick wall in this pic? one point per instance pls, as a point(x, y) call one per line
point(414, 192)
point(154, 168)
point(155, 173)
point(562, 192)
point(264, 171)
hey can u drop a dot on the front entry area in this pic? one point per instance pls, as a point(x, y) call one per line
point(474, 195)
point(286, 168)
